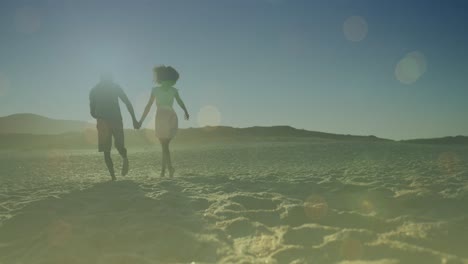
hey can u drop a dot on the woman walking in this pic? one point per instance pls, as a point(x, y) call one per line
point(166, 118)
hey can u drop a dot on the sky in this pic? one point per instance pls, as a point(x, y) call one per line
point(395, 69)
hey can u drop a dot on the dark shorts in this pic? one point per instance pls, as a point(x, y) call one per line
point(108, 129)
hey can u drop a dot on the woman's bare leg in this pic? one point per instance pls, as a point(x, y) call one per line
point(163, 162)
point(169, 161)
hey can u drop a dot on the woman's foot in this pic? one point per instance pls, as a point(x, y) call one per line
point(125, 166)
point(171, 171)
point(163, 173)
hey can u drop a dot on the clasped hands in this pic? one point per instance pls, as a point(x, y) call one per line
point(136, 124)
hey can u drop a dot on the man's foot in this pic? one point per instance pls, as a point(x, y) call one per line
point(125, 166)
point(163, 173)
point(171, 171)
point(113, 178)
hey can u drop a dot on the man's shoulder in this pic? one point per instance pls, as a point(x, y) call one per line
point(108, 87)
point(97, 87)
point(93, 90)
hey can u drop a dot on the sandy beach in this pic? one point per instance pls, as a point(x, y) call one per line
point(270, 202)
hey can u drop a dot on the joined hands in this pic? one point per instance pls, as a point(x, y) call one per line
point(136, 124)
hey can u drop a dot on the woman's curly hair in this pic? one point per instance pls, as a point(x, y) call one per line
point(165, 73)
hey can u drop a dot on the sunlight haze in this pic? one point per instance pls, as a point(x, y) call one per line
point(393, 69)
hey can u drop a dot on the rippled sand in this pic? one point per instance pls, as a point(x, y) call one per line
point(239, 203)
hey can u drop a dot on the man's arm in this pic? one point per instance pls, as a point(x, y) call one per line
point(129, 105)
point(92, 104)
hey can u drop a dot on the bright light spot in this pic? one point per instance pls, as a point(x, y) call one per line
point(352, 249)
point(315, 207)
point(355, 28)
point(27, 20)
point(209, 116)
point(411, 67)
point(4, 84)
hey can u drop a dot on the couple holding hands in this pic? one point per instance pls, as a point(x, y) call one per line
point(104, 107)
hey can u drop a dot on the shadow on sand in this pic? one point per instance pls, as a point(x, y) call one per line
point(113, 222)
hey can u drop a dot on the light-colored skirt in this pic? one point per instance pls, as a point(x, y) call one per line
point(166, 123)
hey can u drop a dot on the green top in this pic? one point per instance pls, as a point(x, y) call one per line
point(164, 95)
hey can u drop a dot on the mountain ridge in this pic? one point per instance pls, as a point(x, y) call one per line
point(27, 123)
point(449, 140)
point(23, 124)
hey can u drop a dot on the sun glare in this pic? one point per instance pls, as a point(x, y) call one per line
point(209, 116)
point(411, 67)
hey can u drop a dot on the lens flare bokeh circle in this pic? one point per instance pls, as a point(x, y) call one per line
point(411, 67)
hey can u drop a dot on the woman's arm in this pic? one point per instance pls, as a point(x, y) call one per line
point(147, 108)
point(182, 105)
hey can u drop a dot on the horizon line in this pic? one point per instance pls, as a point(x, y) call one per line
point(271, 126)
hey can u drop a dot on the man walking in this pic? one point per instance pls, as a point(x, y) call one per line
point(104, 107)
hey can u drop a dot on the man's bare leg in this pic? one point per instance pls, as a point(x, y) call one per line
point(125, 165)
point(109, 164)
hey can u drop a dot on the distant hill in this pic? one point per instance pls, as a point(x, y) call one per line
point(34, 131)
point(30, 131)
point(457, 140)
point(39, 125)
point(268, 132)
